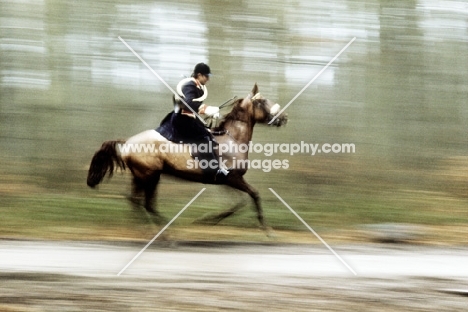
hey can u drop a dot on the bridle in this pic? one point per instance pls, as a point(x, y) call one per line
point(273, 110)
point(258, 96)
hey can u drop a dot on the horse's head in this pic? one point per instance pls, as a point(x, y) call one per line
point(265, 110)
point(254, 108)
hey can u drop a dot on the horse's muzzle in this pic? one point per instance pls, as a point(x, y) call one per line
point(281, 120)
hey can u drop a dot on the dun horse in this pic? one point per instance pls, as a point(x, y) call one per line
point(236, 129)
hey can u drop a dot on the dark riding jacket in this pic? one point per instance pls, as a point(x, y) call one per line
point(193, 94)
point(182, 124)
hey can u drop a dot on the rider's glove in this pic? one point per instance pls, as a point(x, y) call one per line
point(212, 111)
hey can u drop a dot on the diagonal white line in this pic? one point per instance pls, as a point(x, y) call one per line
point(160, 232)
point(162, 80)
point(313, 79)
point(313, 232)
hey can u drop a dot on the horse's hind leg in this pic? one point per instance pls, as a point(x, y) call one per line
point(136, 196)
point(137, 201)
point(150, 197)
point(215, 219)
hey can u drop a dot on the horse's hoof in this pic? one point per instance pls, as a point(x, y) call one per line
point(161, 221)
point(165, 241)
point(205, 221)
point(270, 233)
point(135, 202)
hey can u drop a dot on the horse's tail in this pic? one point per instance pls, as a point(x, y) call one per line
point(105, 161)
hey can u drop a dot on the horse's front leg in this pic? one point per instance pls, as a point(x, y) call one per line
point(240, 184)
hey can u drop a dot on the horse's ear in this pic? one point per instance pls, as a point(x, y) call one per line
point(255, 89)
point(245, 102)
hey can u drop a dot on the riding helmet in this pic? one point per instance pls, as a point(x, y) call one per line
point(201, 68)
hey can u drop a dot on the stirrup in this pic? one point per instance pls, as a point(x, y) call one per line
point(223, 171)
point(222, 175)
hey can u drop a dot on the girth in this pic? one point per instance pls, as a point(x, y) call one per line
point(218, 133)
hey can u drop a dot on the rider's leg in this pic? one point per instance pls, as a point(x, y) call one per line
point(213, 156)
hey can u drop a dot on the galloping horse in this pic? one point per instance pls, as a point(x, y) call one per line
point(146, 167)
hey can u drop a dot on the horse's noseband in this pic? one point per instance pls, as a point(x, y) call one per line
point(276, 122)
point(275, 109)
point(272, 113)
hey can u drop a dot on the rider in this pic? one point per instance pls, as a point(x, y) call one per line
point(186, 124)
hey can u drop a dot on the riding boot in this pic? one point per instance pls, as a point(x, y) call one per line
point(216, 175)
point(222, 170)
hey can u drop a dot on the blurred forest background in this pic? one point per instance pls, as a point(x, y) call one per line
point(399, 93)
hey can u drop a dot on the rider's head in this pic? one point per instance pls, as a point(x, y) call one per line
point(201, 72)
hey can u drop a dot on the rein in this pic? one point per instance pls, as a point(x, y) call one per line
point(228, 102)
point(225, 104)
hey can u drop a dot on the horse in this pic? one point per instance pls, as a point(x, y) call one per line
point(234, 130)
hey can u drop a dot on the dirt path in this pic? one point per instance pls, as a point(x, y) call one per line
point(71, 276)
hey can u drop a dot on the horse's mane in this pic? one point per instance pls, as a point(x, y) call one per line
point(236, 113)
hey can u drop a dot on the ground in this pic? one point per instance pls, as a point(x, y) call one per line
point(215, 276)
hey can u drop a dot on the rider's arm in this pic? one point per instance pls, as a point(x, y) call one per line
point(191, 92)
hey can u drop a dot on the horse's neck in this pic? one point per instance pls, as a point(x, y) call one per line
point(240, 131)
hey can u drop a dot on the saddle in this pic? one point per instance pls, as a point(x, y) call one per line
point(167, 131)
